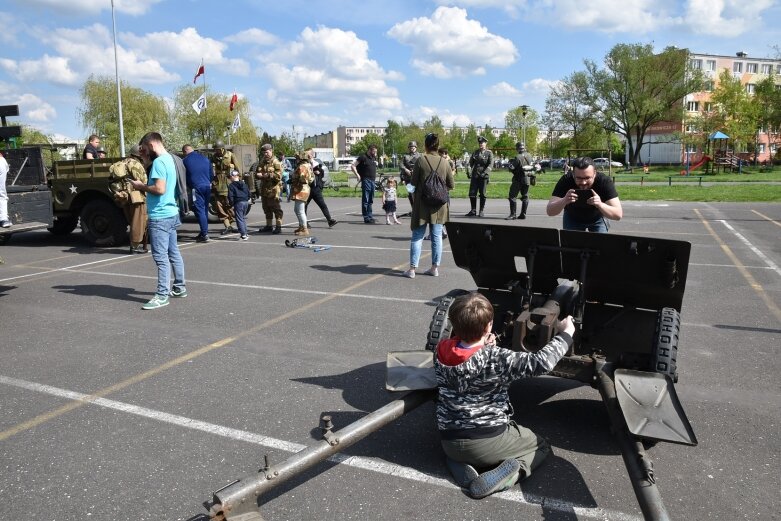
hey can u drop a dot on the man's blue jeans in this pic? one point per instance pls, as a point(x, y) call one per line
point(367, 198)
point(165, 252)
point(201, 196)
point(598, 226)
point(416, 244)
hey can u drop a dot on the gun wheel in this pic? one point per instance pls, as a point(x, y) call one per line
point(440, 326)
point(664, 352)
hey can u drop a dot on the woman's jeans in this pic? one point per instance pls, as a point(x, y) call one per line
point(300, 209)
point(416, 244)
point(165, 252)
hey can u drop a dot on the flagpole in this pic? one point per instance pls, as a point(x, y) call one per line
point(206, 116)
point(119, 91)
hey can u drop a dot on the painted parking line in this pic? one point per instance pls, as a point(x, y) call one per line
point(758, 289)
point(772, 265)
point(767, 218)
point(360, 462)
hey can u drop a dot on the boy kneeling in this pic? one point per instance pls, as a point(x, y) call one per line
point(474, 410)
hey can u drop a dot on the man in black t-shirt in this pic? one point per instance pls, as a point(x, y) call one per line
point(365, 167)
point(597, 202)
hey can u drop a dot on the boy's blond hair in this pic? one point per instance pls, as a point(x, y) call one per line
point(470, 314)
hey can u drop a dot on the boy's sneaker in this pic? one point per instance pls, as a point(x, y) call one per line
point(244, 237)
point(463, 474)
point(178, 292)
point(501, 478)
point(156, 302)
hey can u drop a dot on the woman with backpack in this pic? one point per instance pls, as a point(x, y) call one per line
point(432, 178)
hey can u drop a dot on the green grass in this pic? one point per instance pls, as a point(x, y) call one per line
point(746, 191)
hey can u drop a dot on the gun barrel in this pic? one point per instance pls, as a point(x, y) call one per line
point(238, 501)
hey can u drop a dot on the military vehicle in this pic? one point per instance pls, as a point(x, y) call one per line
point(29, 198)
point(625, 294)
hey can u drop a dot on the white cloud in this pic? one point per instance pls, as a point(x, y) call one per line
point(607, 16)
point(540, 86)
point(186, 46)
point(724, 18)
point(316, 71)
point(449, 44)
point(82, 7)
point(501, 89)
point(34, 108)
point(253, 36)
point(55, 69)
point(511, 7)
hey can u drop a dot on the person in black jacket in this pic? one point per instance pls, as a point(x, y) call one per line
point(238, 198)
point(316, 193)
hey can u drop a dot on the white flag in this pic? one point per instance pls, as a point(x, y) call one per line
point(236, 124)
point(200, 103)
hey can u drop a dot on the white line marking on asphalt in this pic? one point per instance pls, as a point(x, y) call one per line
point(729, 266)
point(360, 462)
point(53, 270)
point(772, 265)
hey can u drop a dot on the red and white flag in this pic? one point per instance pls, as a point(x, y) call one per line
point(234, 100)
point(200, 71)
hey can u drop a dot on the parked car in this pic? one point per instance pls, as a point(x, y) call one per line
point(557, 164)
point(603, 162)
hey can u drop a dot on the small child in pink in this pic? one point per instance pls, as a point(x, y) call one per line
point(389, 202)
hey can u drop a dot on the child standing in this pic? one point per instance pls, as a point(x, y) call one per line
point(238, 199)
point(474, 410)
point(389, 202)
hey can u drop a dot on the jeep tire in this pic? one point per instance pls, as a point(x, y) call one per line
point(63, 225)
point(103, 224)
point(440, 326)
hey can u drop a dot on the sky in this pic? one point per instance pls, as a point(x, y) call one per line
point(306, 67)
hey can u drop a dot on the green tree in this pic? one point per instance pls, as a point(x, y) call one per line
point(394, 138)
point(768, 106)
point(142, 112)
point(740, 115)
point(515, 122)
point(637, 88)
point(214, 122)
point(33, 136)
point(567, 110)
point(363, 145)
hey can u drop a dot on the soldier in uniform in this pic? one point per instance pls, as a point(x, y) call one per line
point(135, 209)
point(223, 159)
point(520, 183)
point(479, 169)
point(268, 179)
point(408, 161)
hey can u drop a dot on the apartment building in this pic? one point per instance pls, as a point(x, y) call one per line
point(662, 146)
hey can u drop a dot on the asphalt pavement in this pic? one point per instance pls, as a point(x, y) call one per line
point(109, 412)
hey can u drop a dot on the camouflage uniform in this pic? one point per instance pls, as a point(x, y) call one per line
point(268, 178)
point(220, 183)
point(132, 201)
point(474, 410)
point(480, 165)
point(520, 182)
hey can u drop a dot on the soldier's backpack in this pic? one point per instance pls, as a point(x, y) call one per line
point(119, 187)
point(434, 190)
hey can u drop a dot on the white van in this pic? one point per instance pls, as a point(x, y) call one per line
point(342, 164)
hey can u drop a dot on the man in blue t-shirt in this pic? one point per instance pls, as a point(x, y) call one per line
point(588, 198)
point(163, 215)
point(199, 179)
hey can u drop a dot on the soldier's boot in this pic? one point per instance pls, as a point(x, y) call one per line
point(473, 204)
point(304, 232)
point(482, 207)
point(277, 229)
point(524, 206)
point(513, 207)
point(298, 231)
point(266, 228)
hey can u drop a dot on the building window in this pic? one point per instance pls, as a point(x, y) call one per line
point(708, 106)
point(690, 128)
point(695, 64)
point(761, 148)
point(750, 88)
point(709, 86)
point(710, 65)
point(691, 149)
point(752, 68)
point(693, 106)
point(767, 68)
point(737, 67)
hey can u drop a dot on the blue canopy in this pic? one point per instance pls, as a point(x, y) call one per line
point(718, 135)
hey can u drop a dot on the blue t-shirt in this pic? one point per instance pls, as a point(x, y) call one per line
point(162, 206)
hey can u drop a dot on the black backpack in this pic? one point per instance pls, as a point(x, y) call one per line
point(434, 191)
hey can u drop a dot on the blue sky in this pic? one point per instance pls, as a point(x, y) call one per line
point(319, 64)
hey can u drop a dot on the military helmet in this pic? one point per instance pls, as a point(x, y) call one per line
point(520, 146)
point(135, 150)
point(413, 144)
point(265, 147)
point(219, 144)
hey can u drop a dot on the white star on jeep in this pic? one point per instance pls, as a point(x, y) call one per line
point(73, 189)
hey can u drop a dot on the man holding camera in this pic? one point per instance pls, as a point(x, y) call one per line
point(587, 197)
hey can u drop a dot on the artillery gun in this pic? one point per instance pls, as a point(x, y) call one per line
point(625, 293)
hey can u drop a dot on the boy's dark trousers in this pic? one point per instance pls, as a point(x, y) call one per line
point(240, 209)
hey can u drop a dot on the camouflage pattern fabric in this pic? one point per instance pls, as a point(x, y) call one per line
point(474, 392)
point(269, 187)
